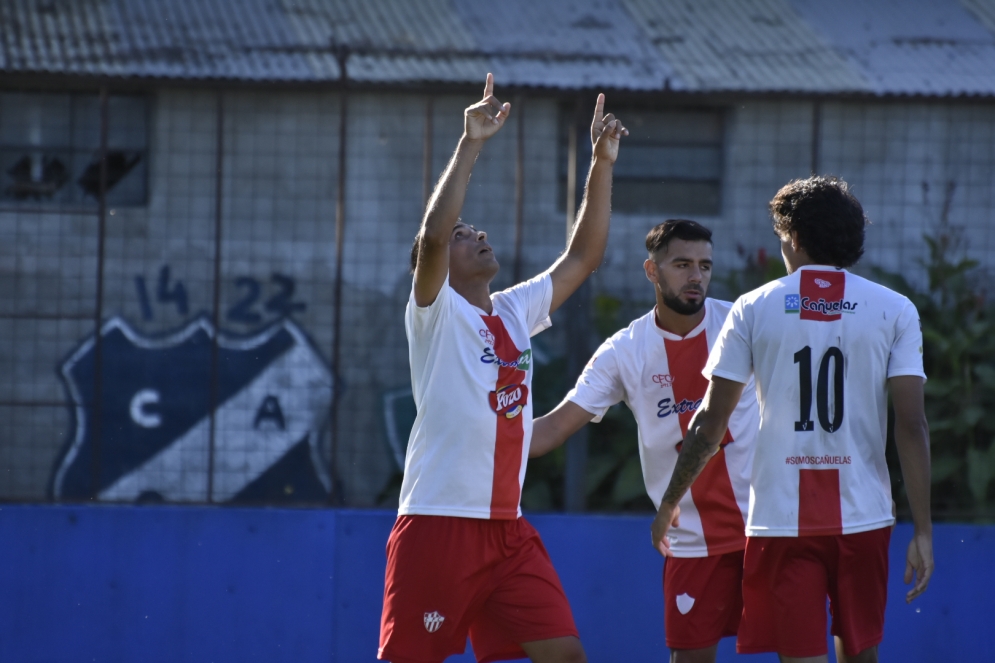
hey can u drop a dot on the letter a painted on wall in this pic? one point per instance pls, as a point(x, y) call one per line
point(273, 395)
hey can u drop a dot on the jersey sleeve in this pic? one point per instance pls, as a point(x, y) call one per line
point(599, 385)
point(423, 319)
point(732, 355)
point(533, 298)
point(906, 351)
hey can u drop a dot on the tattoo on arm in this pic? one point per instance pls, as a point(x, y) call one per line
point(695, 454)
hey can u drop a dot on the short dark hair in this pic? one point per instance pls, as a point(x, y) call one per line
point(827, 217)
point(658, 238)
point(415, 249)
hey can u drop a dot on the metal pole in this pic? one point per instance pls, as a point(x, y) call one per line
point(216, 295)
point(816, 135)
point(343, 57)
point(98, 343)
point(427, 147)
point(577, 314)
point(519, 186)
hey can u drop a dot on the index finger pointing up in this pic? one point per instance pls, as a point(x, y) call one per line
point(489, 86)
point(599, 108)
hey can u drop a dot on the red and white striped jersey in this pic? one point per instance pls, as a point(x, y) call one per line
point(658, 375)
point(821, 344)
point(471, 374)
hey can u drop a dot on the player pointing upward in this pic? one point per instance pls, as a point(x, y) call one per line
point(461, 559)
point(825, 346)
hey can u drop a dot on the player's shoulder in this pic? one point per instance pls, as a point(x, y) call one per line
point(634, 332)
point(718, 307)
point(857, 284)
point(630, 339)
point(769, 291)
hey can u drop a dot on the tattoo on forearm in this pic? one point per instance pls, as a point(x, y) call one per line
point(695, 454)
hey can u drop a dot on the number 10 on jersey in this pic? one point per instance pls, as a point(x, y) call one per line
point(804, 360)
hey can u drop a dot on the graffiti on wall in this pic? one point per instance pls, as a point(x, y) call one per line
point(268, 392)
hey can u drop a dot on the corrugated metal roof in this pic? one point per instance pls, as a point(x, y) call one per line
point(566, 44)
point(926, 47)
point(752, 45)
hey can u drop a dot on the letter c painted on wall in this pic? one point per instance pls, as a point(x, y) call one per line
point(139, 409)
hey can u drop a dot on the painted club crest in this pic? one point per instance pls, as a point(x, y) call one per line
point(270, 395)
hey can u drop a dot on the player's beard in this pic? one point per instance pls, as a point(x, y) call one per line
point(677, 305)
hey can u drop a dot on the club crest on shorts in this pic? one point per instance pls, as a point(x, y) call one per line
point(162, 429)
point(510, 400)
point(433, 620)
point(685, 603)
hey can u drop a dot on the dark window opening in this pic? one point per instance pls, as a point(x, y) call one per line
point(50, 149)
point(670, 163)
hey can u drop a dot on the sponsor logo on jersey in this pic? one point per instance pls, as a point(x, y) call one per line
point(433, 620)
point(822, 296)
point(523, 363)
point(792, 303)
point(487, 336)
point(666, 407)
point(663, 380)
point(510, 400)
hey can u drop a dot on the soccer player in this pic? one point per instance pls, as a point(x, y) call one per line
point(825, 347)
point(654, 365)
point(461, 560)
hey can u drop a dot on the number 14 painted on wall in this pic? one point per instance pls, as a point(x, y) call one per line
point(174, 292)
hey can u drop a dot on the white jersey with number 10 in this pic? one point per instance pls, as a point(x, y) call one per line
point(821, 344)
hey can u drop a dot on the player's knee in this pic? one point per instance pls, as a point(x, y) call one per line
point(573, 652)
point(560, 650)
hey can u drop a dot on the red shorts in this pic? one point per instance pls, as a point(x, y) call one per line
point(449, 577)
point(702, 598)
point(785, 584)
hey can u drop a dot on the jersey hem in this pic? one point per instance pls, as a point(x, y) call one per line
point(715, 551)
point(454, 513)
point(726, 375)
point(794, 533)
point(906, 372)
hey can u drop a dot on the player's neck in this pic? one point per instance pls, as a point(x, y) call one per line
point(477, 292)
point(674, 322)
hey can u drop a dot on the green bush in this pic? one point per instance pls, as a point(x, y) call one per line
point(959, 357)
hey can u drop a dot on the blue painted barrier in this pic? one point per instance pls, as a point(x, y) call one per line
point(215, 585)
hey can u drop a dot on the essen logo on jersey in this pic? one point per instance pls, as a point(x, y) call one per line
point(523, 363)
point(821, 297)
point(510, 400)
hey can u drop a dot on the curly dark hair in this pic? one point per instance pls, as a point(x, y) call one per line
point(827, 217)
point(658, 238)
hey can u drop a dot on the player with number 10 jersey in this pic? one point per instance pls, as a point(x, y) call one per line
point(825, 347)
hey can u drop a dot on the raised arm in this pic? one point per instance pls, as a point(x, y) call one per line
point(704, 435)
point(551, 430)
point(912, 442)
point(586, 247)
point(481, 121)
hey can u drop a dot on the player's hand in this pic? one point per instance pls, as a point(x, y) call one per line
point(666, 518)
point(486, 117)
point(919, 564)
point(606, 130)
